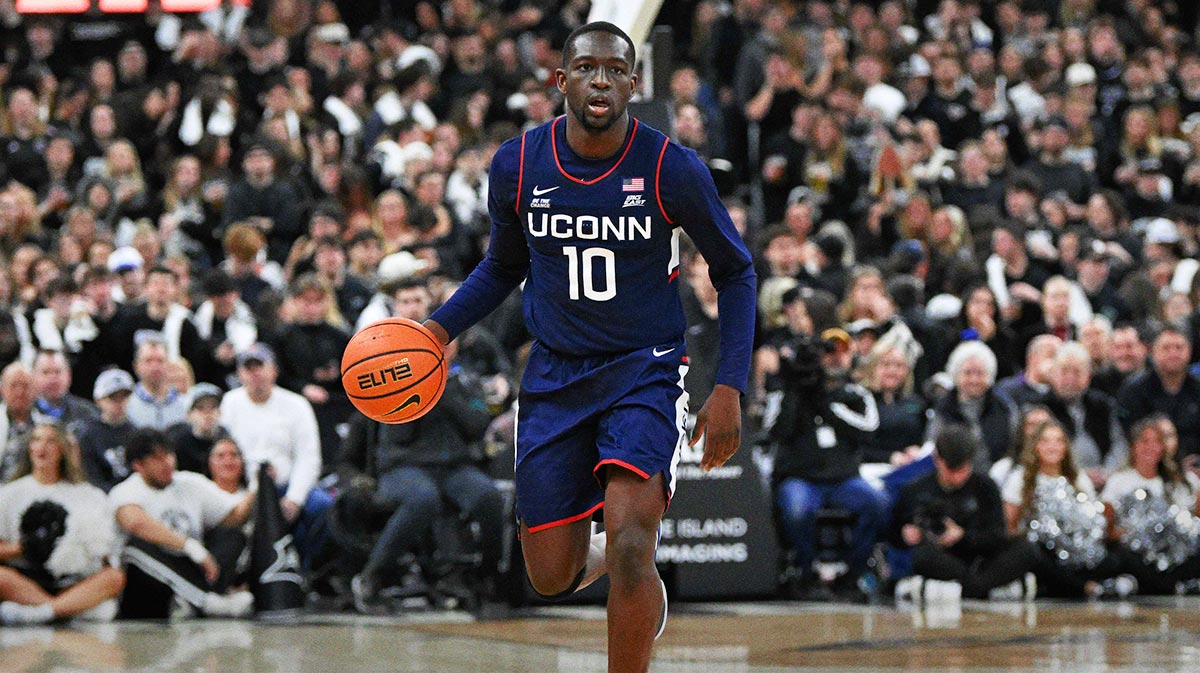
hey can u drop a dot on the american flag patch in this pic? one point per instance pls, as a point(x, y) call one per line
point(633, 185)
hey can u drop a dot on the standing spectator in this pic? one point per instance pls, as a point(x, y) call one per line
point(264, 201)
point(310, 354)
point(51, 496)
point(225, 323)
point(165, 514)
point(954, 521)
point(193, 438)
point(16, 416)
point(51, 383)
point(277, 426)
point(1167, 387)
point(155, 403)
point(167, 321)
point(102, 440)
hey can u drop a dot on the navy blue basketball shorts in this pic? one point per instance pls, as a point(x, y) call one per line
point(577, 416)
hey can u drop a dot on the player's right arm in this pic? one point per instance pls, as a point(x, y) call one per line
point(507, 261)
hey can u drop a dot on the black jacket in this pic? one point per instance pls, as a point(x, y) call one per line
point(976, 507)
point(1098, 412)
point(448, 435)
point(996, 423)
point(847, 410)
point(1144, 395)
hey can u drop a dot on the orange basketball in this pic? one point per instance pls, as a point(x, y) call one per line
point(394, 370)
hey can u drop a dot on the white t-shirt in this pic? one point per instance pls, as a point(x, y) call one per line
point(281, 431)
point(190, 505)
point(1126, 481)
point(91, 532)
point(1014, 486)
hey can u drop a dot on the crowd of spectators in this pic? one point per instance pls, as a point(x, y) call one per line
point(985, 214)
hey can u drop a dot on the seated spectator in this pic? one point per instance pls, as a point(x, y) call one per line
point(1097, 439)
point(227, 467)
point(155, 403)
point(1032, 384)
point(408, 471)
point(102, 440)
point(193, 438)
point(819, 437)
point(902, 415)
point(51, 383)
point(974, 402)
point(1153, 469)
point(1032, 418)
point(56, 532)
point(16, 416)
point(1048, 458)
point(165, 514)
point(161, 315)
point(954, 521)
point(1167, 388)
point(277, 426)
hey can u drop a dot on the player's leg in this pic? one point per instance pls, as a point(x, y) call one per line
point(633, 507)
point(556, 558)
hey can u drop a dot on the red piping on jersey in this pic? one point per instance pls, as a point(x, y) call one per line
point(658, 192)
point(685, 360)
point(674, 275)
point(620, 463)
point(520, 175)
point(570, 519)
point(554, 145)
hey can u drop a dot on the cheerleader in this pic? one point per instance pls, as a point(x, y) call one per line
point(1046, 463)
point(1152, 469)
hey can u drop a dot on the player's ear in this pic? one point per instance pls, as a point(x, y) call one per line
point(560, 80)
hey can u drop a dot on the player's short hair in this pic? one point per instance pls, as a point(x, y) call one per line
point(597, 27)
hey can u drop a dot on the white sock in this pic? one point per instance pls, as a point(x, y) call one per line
point(15, 613)
point(596, 564)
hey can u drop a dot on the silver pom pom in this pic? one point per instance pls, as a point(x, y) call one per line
point(1162, 533)
point(1068, 524)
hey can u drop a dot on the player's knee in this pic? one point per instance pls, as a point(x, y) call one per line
point(555, 585)
point(630, 553)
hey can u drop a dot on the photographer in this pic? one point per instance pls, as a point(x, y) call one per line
point(819, 436)
point(954, 521)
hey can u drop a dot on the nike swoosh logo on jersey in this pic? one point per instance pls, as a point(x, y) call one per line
point(658, 353)
point(538, 192)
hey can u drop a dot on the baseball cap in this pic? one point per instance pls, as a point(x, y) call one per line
point(112, 381)
point(336, 33)
point(400, 265)
point(1080, 74)
point(259, 352)
point(203, 391)
point(124, 259)
point(1161, 230)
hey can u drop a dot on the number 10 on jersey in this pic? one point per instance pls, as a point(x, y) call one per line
point(583, 276)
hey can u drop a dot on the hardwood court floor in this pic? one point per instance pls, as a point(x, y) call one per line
point(1160, 636)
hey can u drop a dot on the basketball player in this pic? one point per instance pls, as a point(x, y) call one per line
point(587, 210)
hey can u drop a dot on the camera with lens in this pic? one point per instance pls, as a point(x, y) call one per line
point(931, 518)
point(800, 363)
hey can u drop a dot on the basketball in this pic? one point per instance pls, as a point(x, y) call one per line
point(394, 370)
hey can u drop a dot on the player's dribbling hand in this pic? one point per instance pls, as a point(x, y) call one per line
point(720, 421)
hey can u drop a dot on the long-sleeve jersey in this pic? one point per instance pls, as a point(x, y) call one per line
point(597, 244)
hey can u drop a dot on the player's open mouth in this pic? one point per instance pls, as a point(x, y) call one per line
point(598, 105)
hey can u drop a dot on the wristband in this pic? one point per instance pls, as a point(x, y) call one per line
point(195, 551)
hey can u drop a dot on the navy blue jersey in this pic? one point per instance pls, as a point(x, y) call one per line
point(597, 242)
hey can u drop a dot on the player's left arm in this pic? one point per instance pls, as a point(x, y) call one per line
point(688, 198)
